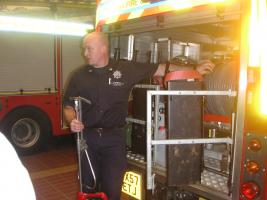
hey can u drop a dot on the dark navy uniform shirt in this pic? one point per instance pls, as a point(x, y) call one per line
point(108, 89)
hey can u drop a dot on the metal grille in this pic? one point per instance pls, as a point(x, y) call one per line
point(213, 180)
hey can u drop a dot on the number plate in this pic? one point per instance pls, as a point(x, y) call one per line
point(132, 184)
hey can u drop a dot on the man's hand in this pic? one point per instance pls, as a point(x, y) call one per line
point(76, 126)
point(205, 67)
point(70, 117)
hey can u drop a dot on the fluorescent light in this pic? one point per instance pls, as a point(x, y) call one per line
point(22, 24)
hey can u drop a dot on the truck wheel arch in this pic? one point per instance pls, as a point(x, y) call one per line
point(27, 128)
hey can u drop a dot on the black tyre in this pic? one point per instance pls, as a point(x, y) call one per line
point(27, 129)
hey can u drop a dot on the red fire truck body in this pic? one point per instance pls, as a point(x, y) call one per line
point(34, 70)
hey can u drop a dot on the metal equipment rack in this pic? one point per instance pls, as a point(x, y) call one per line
point(152, 142)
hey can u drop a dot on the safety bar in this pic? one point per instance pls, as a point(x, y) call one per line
point(193, 141)
point(151, 142)
point(134, 120)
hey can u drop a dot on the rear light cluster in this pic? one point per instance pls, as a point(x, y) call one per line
point(254, 145)
point(250, 189)
point(252, 167)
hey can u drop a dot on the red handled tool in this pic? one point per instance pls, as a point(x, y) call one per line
point(82, 148)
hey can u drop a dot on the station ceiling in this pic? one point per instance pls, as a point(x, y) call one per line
point(70, 10)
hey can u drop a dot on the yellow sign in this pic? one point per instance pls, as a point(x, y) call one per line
point(132, 184)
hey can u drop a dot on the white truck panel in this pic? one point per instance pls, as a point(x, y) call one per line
point(26, 62)
point(71, 55)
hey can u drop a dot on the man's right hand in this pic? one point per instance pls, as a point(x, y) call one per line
point(76, 126)
point(205, 67)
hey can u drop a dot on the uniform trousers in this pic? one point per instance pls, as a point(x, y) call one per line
point(107, 152)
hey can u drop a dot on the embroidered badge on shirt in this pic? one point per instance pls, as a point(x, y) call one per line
point(117, 74)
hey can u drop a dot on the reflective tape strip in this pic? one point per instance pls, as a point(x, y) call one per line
point(136, 14)
point(113, 19)
point(163, 7)
point(123, 17)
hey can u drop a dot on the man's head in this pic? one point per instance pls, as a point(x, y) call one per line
point(96, 47)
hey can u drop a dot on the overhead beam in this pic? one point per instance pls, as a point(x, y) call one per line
point(83, 4)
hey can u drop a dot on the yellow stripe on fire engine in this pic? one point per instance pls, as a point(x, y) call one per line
point(263, 88)
point(254, 37)
point(111, 16)
point(258, 46)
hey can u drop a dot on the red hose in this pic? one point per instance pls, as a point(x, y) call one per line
point(86, 196)
point(182, 75)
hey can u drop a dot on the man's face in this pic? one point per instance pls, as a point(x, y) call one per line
point(92, 51)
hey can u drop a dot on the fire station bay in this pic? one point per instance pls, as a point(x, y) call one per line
point(197, 132)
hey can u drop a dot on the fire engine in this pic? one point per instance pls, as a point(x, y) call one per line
point(34, 70)
point(195, 137)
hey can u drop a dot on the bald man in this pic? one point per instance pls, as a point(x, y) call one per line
point(107, 84)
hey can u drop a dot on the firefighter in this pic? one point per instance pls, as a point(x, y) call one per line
point(107, 84)
point(15, 180)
